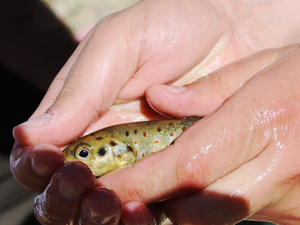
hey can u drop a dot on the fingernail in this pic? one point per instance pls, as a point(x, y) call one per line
point(102, 206)
point(38, 121)
point(70, 191)
point(40, 168)
point(104, 189)
point(175, 89)
point(98, 219)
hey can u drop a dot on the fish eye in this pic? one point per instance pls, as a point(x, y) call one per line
point(83, 152)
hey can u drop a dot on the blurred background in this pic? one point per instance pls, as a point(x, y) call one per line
point(37, 38)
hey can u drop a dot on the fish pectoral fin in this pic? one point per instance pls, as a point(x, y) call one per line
point(125, 159)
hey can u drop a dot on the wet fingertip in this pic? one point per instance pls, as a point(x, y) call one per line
point(40, 168)
point(19, 135)
point(45, 159)
point(70, 191)
point(167, 91)
point(137, 213)
point(101, 206)
point(75, 171)
point(108, 198)
point(169, 101)
point(73, 180)
point(21, 131)
point(33, 166)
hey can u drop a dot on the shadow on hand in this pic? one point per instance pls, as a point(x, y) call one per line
point(209, 208)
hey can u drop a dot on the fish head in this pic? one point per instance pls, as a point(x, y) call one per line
point(101, 155)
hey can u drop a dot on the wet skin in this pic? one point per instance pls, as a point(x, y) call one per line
point(255, 128)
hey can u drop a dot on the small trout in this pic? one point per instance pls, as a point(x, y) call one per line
point(117, 146)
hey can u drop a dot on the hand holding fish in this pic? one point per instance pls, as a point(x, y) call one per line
point(108, 65)
point(170, 42)
point(241, 161)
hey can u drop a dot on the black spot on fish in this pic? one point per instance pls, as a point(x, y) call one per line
point(99, 138)
point(159, 129)
point(170, 124)
point(112, 143)
point(129, 148)
point(135, 131)
point(102, 151)
point(127, 133)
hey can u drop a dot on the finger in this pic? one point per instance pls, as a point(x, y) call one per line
point(58, 82)
point(189, 165)
point(33, 167)
point(60, 202)
point(110, 57)
point(137, 213)
point(252, 190)
point(215, 208)
point(85, 96)
point(100, 206)
point(158, 213)
point(210, 91)
point(211, 148)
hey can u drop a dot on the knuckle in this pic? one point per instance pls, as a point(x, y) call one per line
point(189, 175)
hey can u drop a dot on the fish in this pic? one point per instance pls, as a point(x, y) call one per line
point(121, 145)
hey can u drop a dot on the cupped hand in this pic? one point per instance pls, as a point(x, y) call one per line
point(241, 161)
point(153, 42)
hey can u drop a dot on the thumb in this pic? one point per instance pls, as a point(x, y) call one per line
point(84, 89)
point(207, 94)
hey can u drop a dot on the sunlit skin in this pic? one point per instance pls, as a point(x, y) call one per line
point(241, 160)
point(244, 155)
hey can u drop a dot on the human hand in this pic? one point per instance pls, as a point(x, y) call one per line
point(239, 162)
point(130, 183)
point(153, 52)
point(152, 42)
